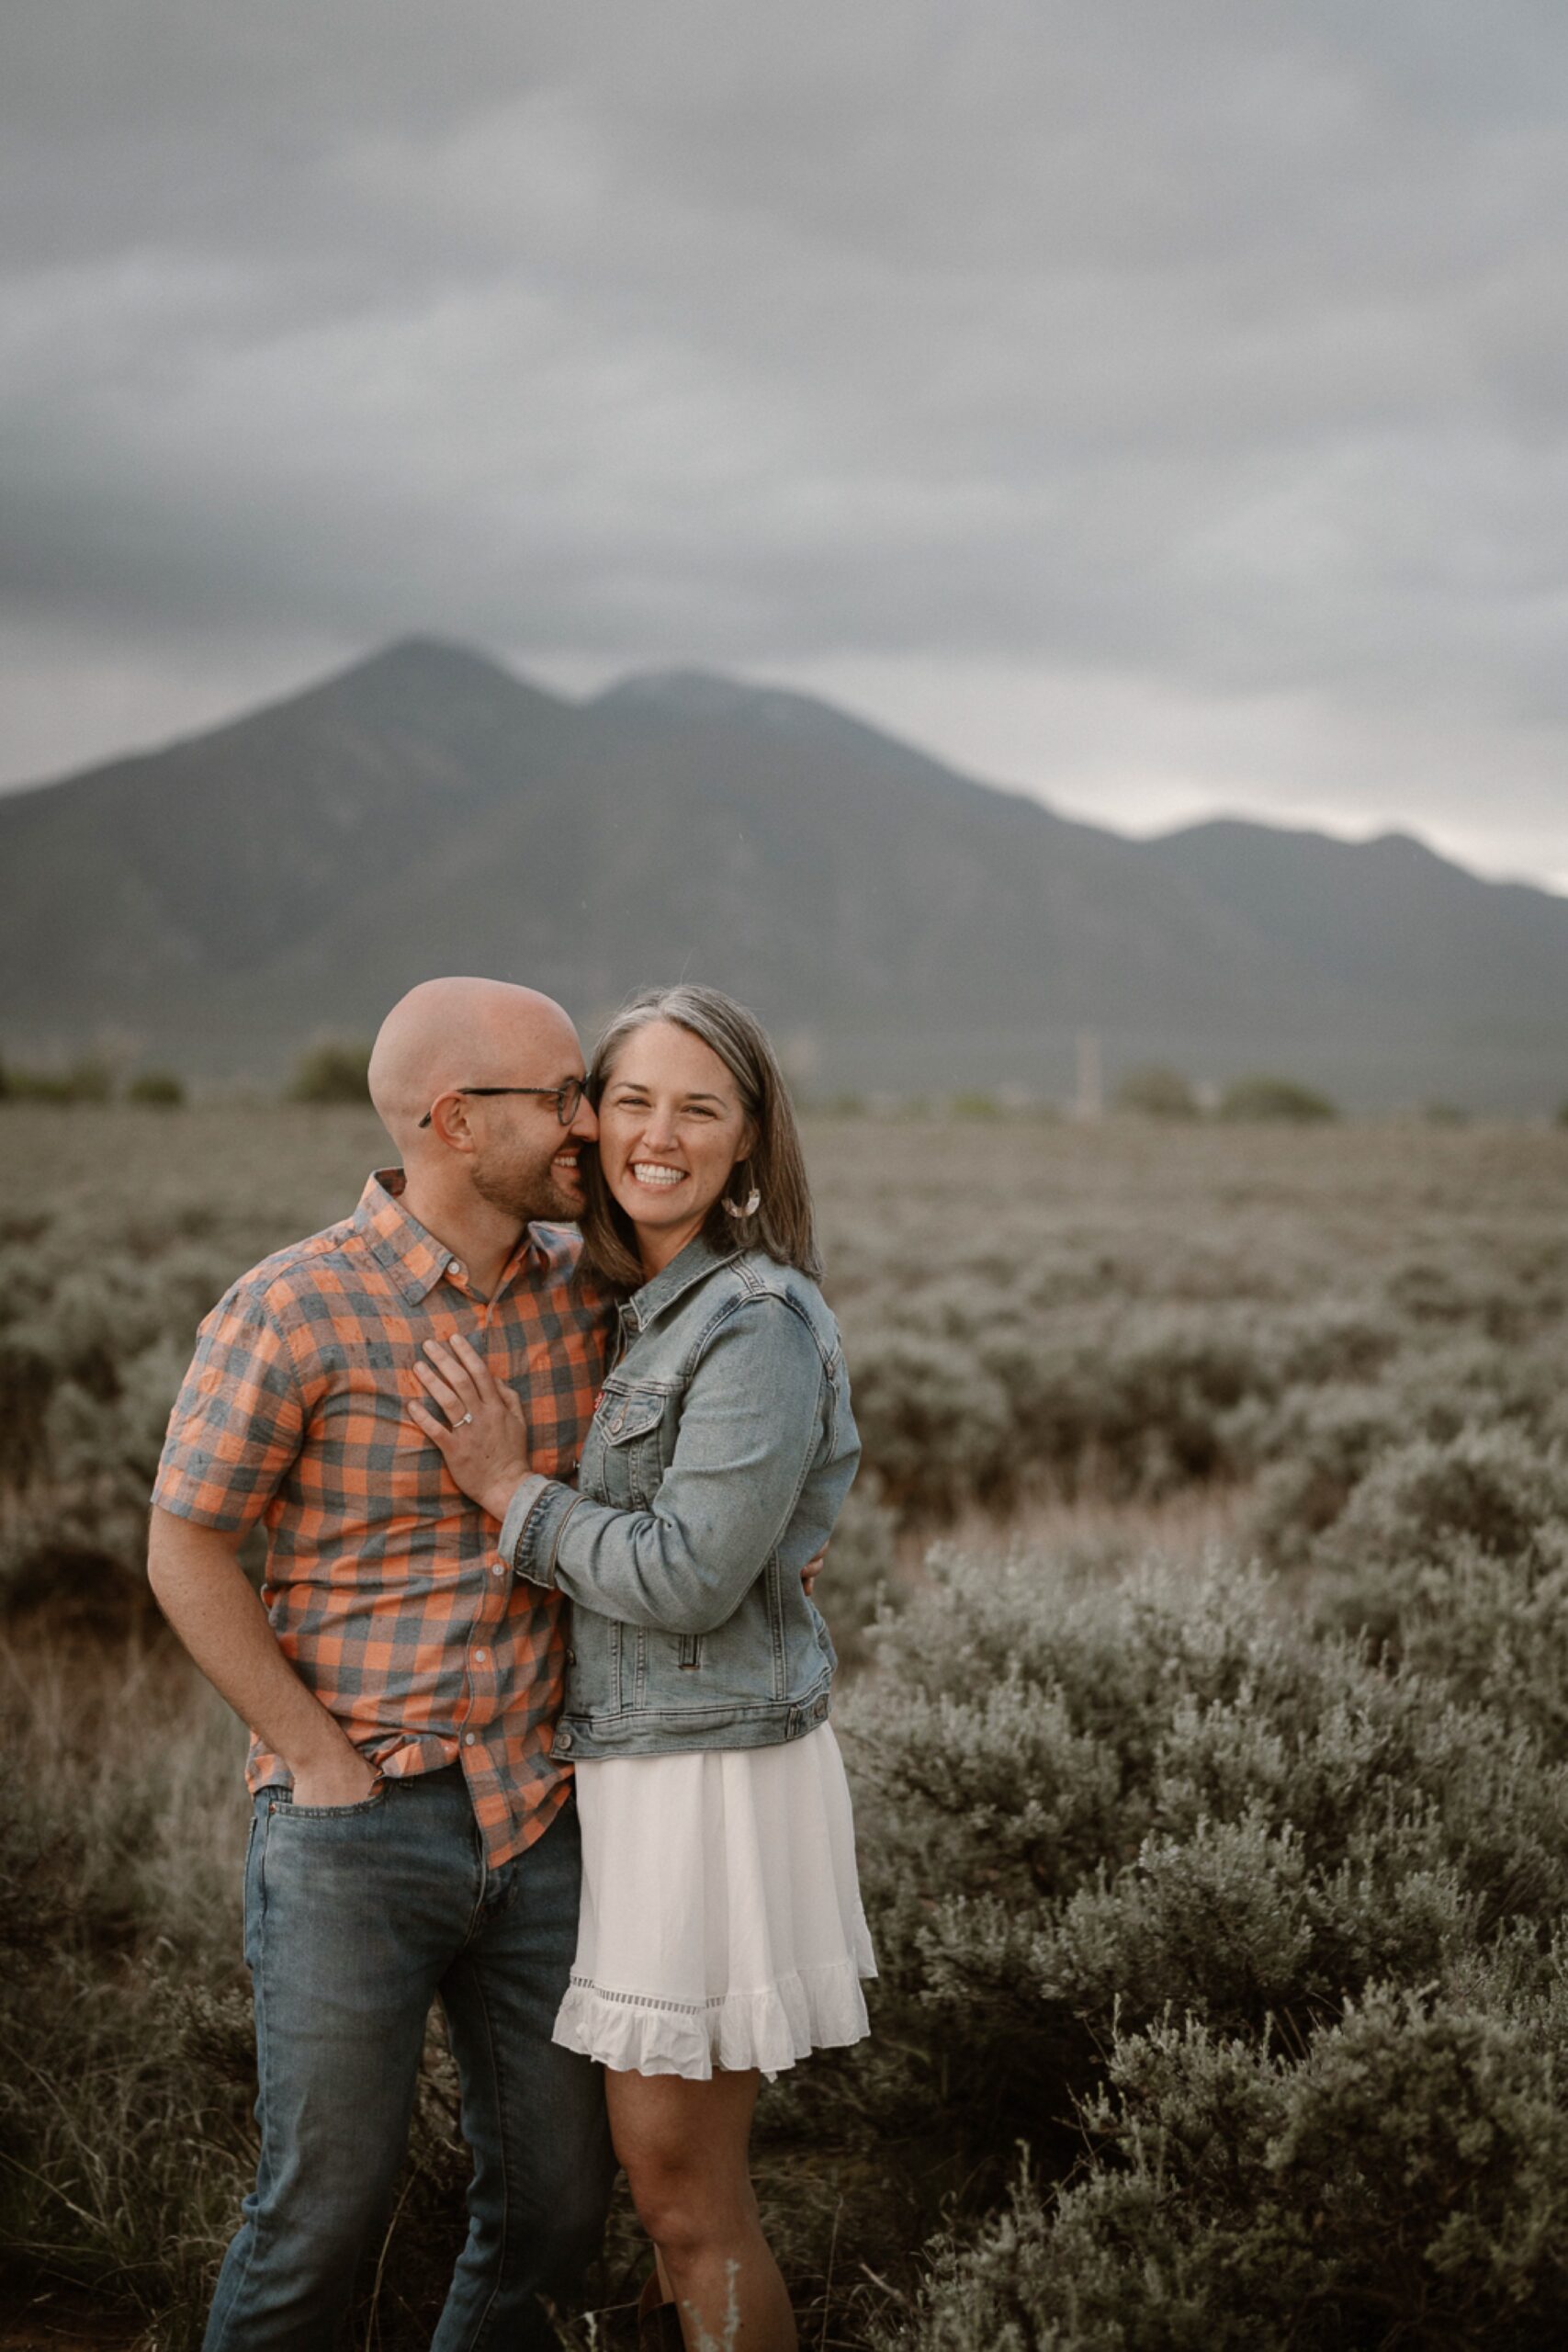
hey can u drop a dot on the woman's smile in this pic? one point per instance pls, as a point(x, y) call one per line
point(656, 1173)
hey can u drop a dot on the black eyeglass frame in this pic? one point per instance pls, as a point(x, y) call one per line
point(567, 1098)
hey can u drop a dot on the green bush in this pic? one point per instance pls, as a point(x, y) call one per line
point(1309, 1449)
point(1454, 1555)
point(1274, 1098)
point(335, 1071)
point(1488, 1490)
point(1271, 1922)
point(860, 1568)
point(1156, 1092)
point(88, 1080)
point(159, 1090)
point(970, 1392)
point(934, 1424)
point(1094, 1803)
point(96, 1324)
point(1404, 2180)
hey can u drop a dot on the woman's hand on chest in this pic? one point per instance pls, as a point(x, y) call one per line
point(483, 1436)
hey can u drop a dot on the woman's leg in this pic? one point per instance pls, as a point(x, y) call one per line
point(684, 2145)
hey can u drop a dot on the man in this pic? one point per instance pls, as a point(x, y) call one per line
point(412, 1836)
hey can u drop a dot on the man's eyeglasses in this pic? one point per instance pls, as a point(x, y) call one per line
point(567, 1099)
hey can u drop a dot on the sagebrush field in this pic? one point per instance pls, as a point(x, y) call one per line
point(1211, 1753)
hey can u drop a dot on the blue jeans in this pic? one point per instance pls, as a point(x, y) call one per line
point(356, 1918)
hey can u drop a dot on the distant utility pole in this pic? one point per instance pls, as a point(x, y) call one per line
point(1090, 1102)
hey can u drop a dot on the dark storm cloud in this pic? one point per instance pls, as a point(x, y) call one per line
point(1160, 405)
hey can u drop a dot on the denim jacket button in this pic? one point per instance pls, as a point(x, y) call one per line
point(563, 1742)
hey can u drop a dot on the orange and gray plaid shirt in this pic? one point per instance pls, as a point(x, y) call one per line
point(383, 1583)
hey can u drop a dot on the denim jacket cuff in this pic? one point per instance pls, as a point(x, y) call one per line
point(538, 1510)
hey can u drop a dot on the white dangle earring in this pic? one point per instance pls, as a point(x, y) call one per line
point(733, 1209)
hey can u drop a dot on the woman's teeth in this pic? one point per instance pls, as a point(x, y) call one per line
point(647, 1171)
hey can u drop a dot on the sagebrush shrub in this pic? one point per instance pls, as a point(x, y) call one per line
point(1095, 1803)
point(1490, 1490)
point(1404, 2180)
point(1455, 1554)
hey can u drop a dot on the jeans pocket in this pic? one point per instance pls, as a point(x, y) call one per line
point(284, 1807)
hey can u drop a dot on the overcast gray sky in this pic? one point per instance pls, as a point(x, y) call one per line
point(1158, 404)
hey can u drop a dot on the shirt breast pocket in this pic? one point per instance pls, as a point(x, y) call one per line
point(634, 1446)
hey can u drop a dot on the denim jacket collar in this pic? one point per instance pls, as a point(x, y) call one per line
point(694, 1265)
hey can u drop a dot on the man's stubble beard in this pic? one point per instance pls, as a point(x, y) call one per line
point(526, 1189)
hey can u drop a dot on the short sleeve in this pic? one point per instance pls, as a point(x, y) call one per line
point(238, 1421)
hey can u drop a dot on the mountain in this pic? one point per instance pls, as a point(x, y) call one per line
point(221, 901)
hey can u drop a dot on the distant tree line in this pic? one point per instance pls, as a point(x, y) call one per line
point(335, 1070)
point(90, 1080)
point(332, 1070)
point(1149, 1091)
point(1154, 1092)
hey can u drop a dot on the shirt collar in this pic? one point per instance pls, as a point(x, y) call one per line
point(413, 1258)
point(694, 1264)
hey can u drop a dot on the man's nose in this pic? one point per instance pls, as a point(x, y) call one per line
point(585, 1126)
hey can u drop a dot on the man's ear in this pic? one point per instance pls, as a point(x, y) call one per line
point(449, 1119)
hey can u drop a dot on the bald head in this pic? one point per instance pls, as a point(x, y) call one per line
point(453, 1033)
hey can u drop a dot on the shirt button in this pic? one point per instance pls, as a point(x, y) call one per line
point(458, 1274)
point(468, 1739)
point(479, 1657)
point(498, 1567)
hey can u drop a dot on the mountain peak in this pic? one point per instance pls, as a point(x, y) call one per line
point(423, 683)
point(788, 717)
point(425, 665)
point(704, 693)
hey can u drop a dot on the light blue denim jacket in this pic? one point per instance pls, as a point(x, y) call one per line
point(714, 1467)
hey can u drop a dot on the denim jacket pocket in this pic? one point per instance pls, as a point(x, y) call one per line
point(628, 1414)
point(631, 1463)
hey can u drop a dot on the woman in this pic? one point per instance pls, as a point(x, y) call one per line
point(721, 1934)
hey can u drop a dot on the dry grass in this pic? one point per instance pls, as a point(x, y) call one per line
point(139, 1764)
point(124, 2043)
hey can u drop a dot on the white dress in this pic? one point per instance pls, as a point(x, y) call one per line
point(721, 1922)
